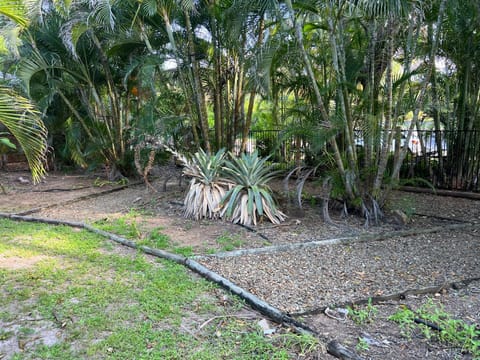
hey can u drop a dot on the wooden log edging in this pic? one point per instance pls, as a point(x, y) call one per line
point(333, 347)
point(340, 241)
point(442, 192)
point(378, 299)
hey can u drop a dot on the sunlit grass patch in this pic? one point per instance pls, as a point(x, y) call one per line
point(84, 299)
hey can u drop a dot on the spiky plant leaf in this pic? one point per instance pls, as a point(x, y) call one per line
point(249, 198)
point(206, 189)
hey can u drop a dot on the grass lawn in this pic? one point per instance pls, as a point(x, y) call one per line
point(69, 294)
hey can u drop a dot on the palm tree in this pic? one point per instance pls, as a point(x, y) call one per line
point(78, 68)
point(18, 114)
point(363, 38)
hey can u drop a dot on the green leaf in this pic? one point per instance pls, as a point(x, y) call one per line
point(7, 143)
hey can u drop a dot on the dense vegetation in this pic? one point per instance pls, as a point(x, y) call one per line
point(108, 77)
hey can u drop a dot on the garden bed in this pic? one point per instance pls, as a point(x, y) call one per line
point(396, 264)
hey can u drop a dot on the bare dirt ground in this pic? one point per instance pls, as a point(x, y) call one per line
point(304, 266)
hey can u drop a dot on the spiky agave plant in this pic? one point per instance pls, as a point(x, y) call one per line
point(206, 189)
point(249, 197)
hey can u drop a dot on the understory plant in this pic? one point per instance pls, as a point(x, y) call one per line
point(235, 189)
point(249, 198)
point(206, 189)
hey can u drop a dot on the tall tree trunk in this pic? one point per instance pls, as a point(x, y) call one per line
point(251, 100)
point(319, 99)
point(173, 43)
point(197, 82)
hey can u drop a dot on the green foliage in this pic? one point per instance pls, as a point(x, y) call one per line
point(21, 118)
point(443, 327)
point(249, 198)
point(101, 182)
point(6, 143)
point(364, 314)
point(157, 239)
point(5, 335)
point(306, 344)
point(362, 345)
point(124, 226)
point(407, 205)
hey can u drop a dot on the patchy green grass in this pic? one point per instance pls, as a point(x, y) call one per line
point(69, 294)
point(229, 242)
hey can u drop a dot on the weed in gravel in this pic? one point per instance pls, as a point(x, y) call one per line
point(364, 314)
point(229, 242)
point(405, 318)
point(5, 335)
point(362, 345)
point(435, 323)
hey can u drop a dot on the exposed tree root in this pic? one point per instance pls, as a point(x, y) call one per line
point(442, 218)
point(333, 347)
point(62, 189)
point(249, 228)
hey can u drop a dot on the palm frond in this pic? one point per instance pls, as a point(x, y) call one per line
point(21, 118)
point(15, 11)
point(102, 14)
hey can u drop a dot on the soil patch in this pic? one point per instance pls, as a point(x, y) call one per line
point(16, 262)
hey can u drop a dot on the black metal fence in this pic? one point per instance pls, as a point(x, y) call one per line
point(446, 159)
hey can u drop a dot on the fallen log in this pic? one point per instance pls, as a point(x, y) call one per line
point(395, 296)
point(258, 304)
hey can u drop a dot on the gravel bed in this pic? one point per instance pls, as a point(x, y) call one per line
point(299, 281)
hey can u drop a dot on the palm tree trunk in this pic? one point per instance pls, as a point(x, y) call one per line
point(319, 99)
point(197, 81)
point(423, 90)
point(387, 133)
point(168, 28)
point(251, 100)
point(217, 79)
